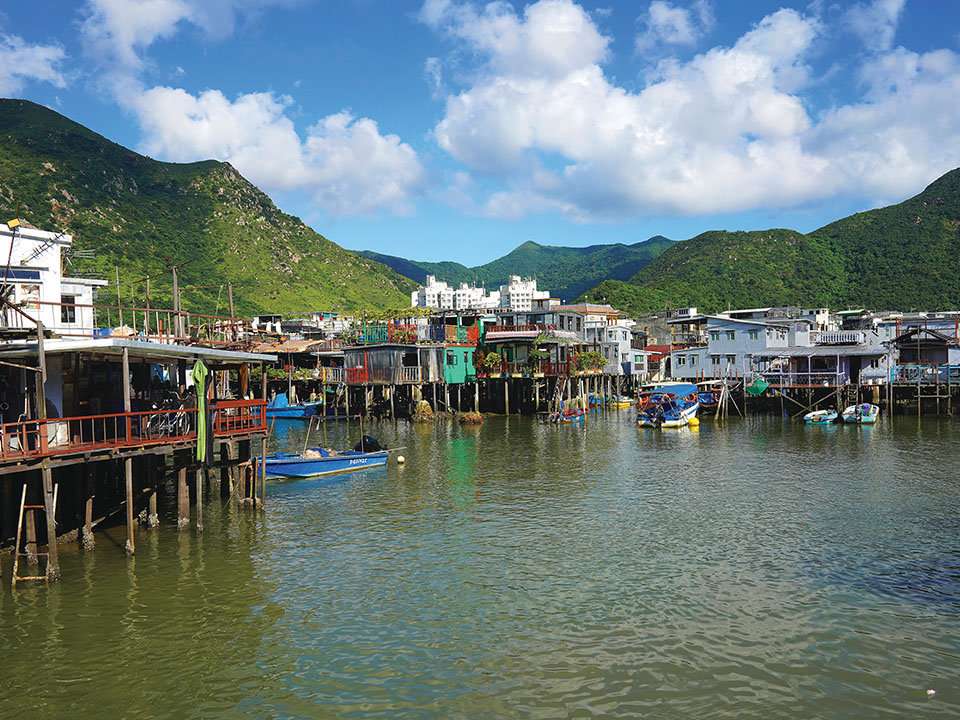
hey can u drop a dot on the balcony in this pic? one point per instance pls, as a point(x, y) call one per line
point(60, 437)
point(840, 337)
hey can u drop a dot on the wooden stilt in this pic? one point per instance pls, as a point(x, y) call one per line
point(153, 518)
point(86, 534)
point(128, 462)
point(226, 455)
point(30, 529)
point(183, 492)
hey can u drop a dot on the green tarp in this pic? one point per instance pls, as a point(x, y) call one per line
point(758, 387)
point(199, 374)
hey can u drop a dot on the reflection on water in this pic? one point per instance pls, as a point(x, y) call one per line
point(758, 569)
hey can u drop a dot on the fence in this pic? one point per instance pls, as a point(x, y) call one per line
point(823, 378)
point(147, 324)
point(927, 373)
point(32, 439)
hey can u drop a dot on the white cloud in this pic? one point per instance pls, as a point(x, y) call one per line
point(672, 25)
point(555, 37)
point(726, 131)
point(876, 22)
point(117, 32)
point(347, 166)
point(344, 163)
point(434, 74)
point(21, 62)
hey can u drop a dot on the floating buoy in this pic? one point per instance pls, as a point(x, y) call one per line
point(400, 460)
point(694, 422)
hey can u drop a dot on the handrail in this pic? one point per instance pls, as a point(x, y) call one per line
point(34, 439)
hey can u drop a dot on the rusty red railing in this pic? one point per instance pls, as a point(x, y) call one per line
point(34, 439)
point(356, 375)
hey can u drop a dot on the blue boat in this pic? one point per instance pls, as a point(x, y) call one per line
point(320, 461)
point(668, 406)
point(281, 408)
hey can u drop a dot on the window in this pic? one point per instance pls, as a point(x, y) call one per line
point(693, 359)
point(451, 358)
point(714, 359)
point(731, 359)
point(714, 334)
point(753, 334)
point(68, 311)
point(681, 360)
point(731, 334)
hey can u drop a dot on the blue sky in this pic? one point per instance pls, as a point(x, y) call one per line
point(453, 130)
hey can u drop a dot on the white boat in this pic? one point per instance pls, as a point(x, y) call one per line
point(862, 414)
point(820, 417)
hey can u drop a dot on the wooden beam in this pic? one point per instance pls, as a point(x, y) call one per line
point(128, 462)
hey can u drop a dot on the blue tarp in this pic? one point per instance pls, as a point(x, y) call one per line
point(280, 401)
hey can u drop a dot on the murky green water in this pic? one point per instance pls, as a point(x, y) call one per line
point(759, 570)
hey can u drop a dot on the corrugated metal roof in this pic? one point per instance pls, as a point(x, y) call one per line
point(826, 351)
point(136, 349)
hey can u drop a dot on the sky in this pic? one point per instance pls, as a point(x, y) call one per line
point(456, 130)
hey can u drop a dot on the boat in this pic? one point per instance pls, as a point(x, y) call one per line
point(280, 408)
point(321, 461)
point(668, 406)
point(863, 414)
point(568, 415)
point(708, 393)
point(820, 417)
point(619, 403)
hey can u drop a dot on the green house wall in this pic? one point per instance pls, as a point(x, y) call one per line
point(458, 364)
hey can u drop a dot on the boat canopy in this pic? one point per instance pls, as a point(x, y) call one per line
point(678, 390)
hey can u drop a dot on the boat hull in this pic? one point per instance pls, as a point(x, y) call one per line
point(571, 416)
point(670, 418)
point(348, 461)
point(820, 417)
point(291, 412)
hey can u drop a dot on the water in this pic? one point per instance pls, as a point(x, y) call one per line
point(762, 569)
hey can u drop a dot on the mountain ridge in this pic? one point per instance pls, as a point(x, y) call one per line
point(565, 271)
point(143, 216)
point(903, 256)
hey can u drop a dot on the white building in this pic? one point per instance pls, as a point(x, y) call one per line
point(438, 294)
point(34, 280)
point(519, 293)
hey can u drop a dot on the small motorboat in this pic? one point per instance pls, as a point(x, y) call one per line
point(568, 415)
point(619, 403)
point(668, 406)
point(321, 461)
point(863, 414)
point(820, 417)
point(281, 408)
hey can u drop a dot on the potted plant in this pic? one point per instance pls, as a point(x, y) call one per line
point(534, 359)
point(590, 361)
point(493, 362)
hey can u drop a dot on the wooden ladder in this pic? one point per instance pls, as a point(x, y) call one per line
point(17, 553)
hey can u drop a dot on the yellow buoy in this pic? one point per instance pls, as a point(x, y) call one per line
point(694, 422)
point(400, 460)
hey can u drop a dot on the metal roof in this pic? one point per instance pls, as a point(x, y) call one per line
point(825, 351)
point(157, 352)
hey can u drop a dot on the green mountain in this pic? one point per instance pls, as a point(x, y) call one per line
point(566, 272)
point(143, 216)
point(899, 257)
